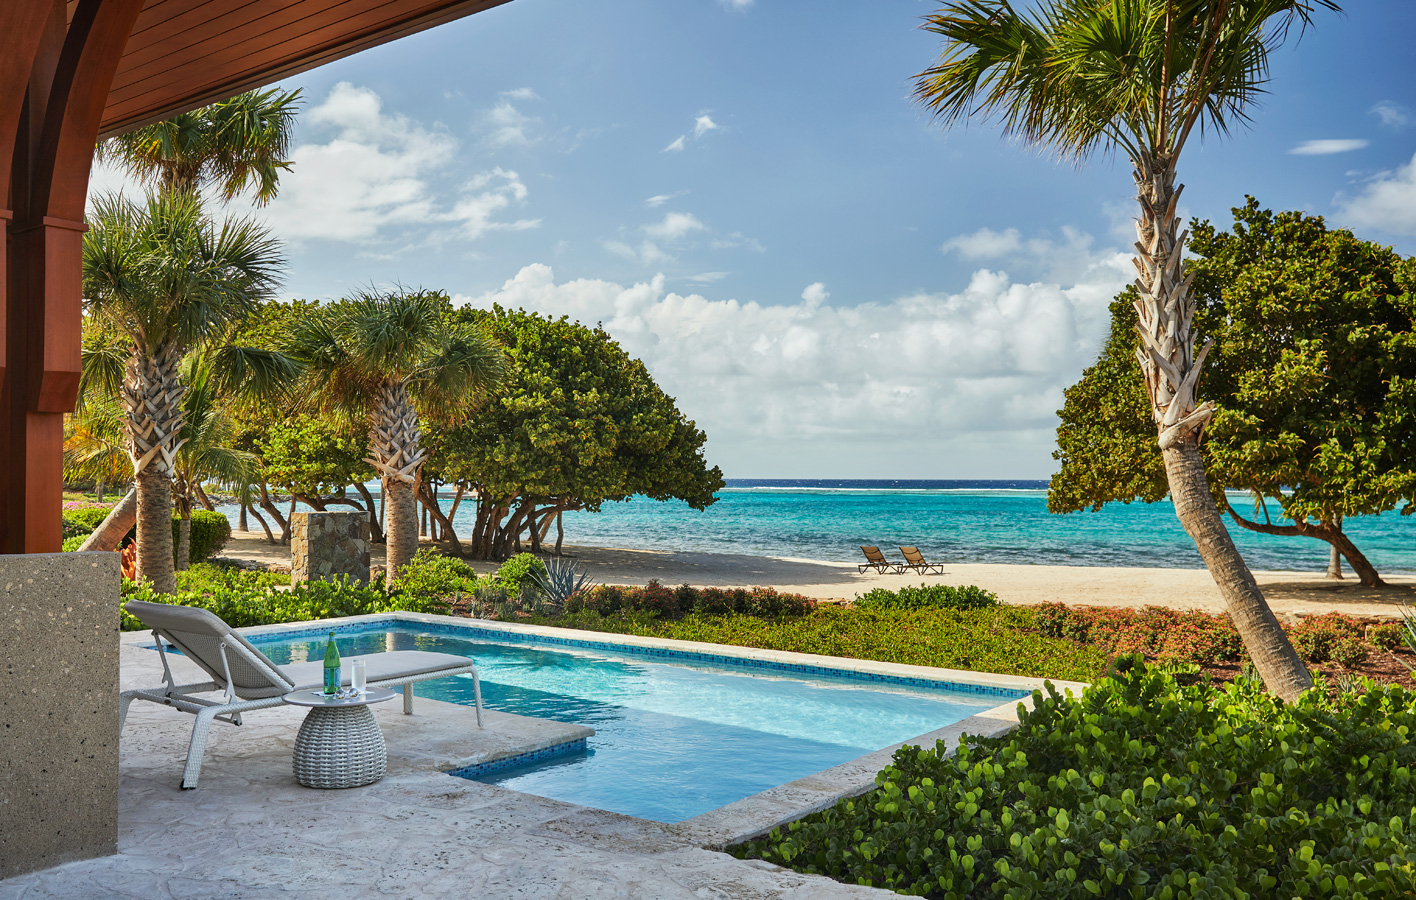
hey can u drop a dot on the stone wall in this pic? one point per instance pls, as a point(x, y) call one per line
point(58, 709)
point(325, 545)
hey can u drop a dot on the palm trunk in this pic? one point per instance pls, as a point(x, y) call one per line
point(153, 396)
point(241, 524)
point(184, 538)
point(1165, 309)
point(202, 497)
point(1334, 563)
point(397, 455)
point(111, 531)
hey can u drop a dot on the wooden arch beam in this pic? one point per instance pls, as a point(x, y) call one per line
point(71, 66)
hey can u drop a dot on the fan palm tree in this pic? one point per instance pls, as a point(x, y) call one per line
point(168, 280)
point(1138, 76)
point(233, 145)
point(388, 359)
point(206, 452)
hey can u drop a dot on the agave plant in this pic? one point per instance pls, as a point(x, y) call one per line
point(562, 581)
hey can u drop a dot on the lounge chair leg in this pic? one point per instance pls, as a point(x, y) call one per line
point(408, 699)
point(197, 748)
point(477, 693)
point(125, 700)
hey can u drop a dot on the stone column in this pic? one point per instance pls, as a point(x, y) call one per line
point(59, 709)
point(326, 545)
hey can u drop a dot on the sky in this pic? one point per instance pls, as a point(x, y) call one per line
point(746, 195)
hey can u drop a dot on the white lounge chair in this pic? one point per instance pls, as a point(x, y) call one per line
point(251, 681)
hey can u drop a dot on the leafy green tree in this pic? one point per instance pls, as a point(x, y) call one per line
point(1136, 76)
point(578, 422)
point(1314, 382)
point(316, 458)
point(388, 359)
point(234, 145)
point(168, 281)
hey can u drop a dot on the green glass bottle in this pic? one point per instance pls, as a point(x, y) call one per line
point(331, 682)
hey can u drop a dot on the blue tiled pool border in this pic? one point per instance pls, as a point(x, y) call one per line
point(477, 770)
point(666, 653)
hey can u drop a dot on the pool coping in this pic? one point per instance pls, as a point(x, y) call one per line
point(758, 814)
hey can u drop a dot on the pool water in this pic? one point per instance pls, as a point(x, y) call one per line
point(672, 740)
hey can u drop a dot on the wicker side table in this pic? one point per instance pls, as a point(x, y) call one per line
point(339, 744)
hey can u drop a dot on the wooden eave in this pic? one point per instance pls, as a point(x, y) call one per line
point(186, 53)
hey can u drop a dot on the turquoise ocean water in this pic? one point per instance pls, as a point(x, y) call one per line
point(951, 521)
point(956, 521)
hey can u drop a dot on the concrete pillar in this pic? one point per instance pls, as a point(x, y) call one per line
point(325, 545)
point(58, 709)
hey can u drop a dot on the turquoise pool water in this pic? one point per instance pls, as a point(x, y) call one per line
point(672, 740)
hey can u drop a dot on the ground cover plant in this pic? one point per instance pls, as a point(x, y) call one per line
point(1003, 639)
point(1141, 788)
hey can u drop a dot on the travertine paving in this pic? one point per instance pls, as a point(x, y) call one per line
point(249, 831)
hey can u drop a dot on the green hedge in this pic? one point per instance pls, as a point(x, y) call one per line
point(675, 603)
point(1142, 788)
point(937, 596)
point(210, 531)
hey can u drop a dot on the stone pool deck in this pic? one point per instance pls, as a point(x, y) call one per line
point(249, 831)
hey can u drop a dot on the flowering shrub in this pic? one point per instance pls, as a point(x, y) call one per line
point(1167, 635)
point(1331, 636)
point(1387, 636)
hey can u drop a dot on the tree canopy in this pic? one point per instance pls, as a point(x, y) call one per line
point(1313, 375)
point(577, 422)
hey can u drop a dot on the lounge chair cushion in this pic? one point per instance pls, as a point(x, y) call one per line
point(199, 633)
point(377, 667)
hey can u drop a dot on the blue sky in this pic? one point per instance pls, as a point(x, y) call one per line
point(744, 193)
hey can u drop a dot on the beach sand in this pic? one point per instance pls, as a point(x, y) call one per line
point(1291, 594)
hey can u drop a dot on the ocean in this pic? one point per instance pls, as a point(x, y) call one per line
point(951, 522)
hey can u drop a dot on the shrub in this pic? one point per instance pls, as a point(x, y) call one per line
point(1316, 638)
point(675, 603)
point(431, 574)
point(87, 518)
point(1387, 636)
point(73, 543)
point(939, 596)
point(241, 606)
point(1167, 635)
point(517, 571)
point(210, 532)
point(1141, 788)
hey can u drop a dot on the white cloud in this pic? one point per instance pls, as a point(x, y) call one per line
point(736, 4)
point(707, 277)
point(1387, 202)
point(521, 93)
point(769, 383)
point(658, 200)
point(984, 243)
point(507, 126)
point(1392, 115)
point(677, 145)
point(377, 170)
point(703, 124)
point(1329, 147)
point(647, 253)
point(674, 226)
point(738, 239)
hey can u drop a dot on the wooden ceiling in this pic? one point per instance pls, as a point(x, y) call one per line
point(187, 53)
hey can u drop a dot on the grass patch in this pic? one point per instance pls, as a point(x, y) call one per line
point(999, 639)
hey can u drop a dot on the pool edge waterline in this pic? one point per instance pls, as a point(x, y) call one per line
point(761, 812)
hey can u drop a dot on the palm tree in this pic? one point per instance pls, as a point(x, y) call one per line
point(233, 144)
point(387, 359)
point(169, 281)
point(1082, 76)
point(206, 452)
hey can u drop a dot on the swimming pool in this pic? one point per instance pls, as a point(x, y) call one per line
point(675, 737)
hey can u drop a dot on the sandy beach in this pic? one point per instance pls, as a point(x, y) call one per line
point(1291, 594)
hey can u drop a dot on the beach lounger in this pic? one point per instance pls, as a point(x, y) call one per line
point(250, 681)
point(876, 560)
point(914, 562)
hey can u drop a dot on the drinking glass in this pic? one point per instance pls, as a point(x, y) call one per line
point(356, 675)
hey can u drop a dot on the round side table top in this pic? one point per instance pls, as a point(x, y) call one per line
point(319, 700)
